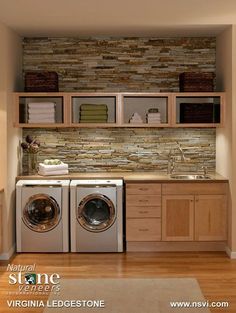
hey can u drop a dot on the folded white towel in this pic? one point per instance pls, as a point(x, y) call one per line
point(45, 120)
point(40, 116)
point(154, 122)
point(41, 105)
point(40, 111)
point(154, 119)
point(44, 167)
point(51, 173)
point(154, 114)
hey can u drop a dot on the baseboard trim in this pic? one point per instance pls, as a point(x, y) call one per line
point(231, 254)
point(175, 246)
point(8, 255)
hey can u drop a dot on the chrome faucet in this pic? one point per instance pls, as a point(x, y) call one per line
point(171, 158)
point(171, 163)
point(204, 170)
point(181, 151)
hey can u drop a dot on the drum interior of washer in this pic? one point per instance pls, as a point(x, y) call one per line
point(96, 212)
point(41, 211)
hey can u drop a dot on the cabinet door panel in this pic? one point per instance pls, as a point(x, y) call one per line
point(177, 218)
point(210, 217)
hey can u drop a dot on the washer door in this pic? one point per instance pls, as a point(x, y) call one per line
point(41, 213)
point(96, 213)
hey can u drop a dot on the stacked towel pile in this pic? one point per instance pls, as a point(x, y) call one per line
point(53, 167)
point(41, 112)
point(93, 113)
point(153, 116)
point(136, 119)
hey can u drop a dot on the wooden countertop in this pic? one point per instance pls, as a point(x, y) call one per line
point(127, 176)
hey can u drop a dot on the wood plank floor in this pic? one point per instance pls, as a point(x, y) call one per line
point(215, 272)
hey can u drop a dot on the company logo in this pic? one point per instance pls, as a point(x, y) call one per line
point(28, 282)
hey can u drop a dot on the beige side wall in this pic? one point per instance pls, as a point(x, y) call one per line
point(224, 135)
point(10, 64)
point(233, 168)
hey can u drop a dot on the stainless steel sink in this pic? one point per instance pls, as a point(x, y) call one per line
point(189, 176)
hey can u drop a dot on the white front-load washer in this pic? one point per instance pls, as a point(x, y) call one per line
point(96, 212)
point(42, 216)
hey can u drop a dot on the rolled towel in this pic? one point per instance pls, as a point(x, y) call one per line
point(51, 173)
point(50, 168)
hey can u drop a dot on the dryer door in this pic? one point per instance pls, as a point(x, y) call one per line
point(41, 213)
point(96, 212)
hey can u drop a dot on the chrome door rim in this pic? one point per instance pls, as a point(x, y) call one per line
point(103, 226)
point(37, 227)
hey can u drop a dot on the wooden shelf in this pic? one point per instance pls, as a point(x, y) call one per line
point(120, 108)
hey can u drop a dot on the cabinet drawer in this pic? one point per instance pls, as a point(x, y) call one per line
point(194, 188)
point(143, 229)
point(143, 189)
point(146, 211)
point(139, 200)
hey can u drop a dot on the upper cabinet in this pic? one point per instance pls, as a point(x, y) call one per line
point(119, 109)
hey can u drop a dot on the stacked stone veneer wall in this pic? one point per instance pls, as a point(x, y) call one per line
point(119, 64)
point(120, 149)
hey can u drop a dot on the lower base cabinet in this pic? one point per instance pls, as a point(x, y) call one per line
point(176, 212)
point(194, 212)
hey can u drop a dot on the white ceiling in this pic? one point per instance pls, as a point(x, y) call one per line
point(117, 17)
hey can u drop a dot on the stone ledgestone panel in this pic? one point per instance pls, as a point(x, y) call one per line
point(119, 149)
point(119, 64)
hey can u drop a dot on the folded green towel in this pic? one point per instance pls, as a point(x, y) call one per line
point(93, 121)
point(93, 113)
point(94, 117)
point(88, 106)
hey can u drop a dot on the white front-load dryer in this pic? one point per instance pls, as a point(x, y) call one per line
point(96, 215)
point(42, 216)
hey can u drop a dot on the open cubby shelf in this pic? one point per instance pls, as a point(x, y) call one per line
point(195, 109)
